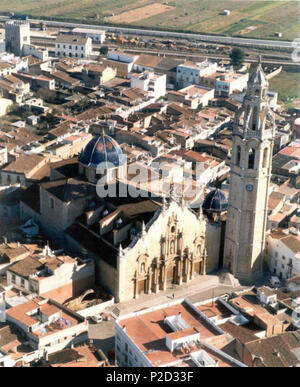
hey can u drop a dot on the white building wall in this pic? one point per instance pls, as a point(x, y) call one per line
point(64, 275)
point(279, 258)
point(74, 50)
point(40, 53)
point(156, 85)
point(187, 75)
point(127, 352)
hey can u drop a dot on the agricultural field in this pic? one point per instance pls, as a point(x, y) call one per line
point(248, 18)
point(140, 13)
point(287, 84)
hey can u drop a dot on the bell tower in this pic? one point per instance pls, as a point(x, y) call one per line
point(251, 167)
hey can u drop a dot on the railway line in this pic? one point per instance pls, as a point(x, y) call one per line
point(283, 61)
point(245, 42)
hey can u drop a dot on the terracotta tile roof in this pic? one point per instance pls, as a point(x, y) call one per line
point(28, 266)
point(276, 351)
point(148, 331)
point(148, 60)
point(72, 39)
point(24, 164)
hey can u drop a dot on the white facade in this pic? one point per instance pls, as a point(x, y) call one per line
point(121, 57)
point(189, 73)
point(73, 46)
point(38, 52)
point(17, 63)
point(155, 84)
point(283, 262)
point(229, 82)
point(5, 104)
point(127, 352)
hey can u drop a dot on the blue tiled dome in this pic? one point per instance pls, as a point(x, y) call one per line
point(215, 201)
point(102, 149)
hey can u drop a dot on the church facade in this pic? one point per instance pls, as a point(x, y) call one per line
point(171, 249)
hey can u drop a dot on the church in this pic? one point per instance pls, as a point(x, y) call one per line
point(143, 244)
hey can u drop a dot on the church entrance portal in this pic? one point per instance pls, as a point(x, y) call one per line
point(142, 287)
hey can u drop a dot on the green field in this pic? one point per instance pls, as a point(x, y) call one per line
point(287, 84)
point(249, 18)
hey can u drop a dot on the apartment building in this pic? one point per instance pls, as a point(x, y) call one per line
point(73, 46)
point(24, 170)
point(38, 52)
point(226, 82)
point(154, 84)
point(283, 254)
point(6, 68)
point(48, 325)
point(190, 73)
point(193, 96)
point(178, 334)
point(58, 277)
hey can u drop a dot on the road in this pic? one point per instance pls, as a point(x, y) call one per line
point(178, 35)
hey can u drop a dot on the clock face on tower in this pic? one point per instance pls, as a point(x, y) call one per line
point(249, 187)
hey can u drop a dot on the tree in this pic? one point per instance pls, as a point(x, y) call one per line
point(237, 57)
point(104, 50)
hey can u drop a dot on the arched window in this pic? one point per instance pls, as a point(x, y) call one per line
point(265, 159)
point(238, 155)
point(254, 118)
point(143, 267)
point(251, 158)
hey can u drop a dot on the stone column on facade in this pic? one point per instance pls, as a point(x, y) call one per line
point(180, 267)
point(164, 276)
point(186, 268)
point(136, 293)
point(157, 270)
point(191, 271)
point(150, 281)
point(204, 262)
